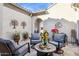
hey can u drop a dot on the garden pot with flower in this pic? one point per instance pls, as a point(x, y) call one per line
point(16, 37)
point(44, 39)
point(25, 36)
point(54, 31)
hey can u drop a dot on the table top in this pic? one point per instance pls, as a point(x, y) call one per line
point(50, 48)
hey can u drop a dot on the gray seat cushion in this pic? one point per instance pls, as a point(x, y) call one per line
point(35, 41)
point(14, 51)
point(56, 44)
point(12, 47)
point(23, 52)
point(59, 37)
point(35, 36)
point(2, 41)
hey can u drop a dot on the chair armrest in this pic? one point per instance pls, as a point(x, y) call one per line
point(22, 46)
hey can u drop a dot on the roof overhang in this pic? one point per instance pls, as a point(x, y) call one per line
point(42, 12)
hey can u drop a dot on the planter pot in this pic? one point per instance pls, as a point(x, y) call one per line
point(25, 36)
point(17, 38)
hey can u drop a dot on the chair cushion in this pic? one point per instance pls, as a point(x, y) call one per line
point(12, 47)
point(56, 44)
point(23, 50)
point(2, 41)
point(35, 36)
point(9, 45)
point(20, 52)
point(59, 37)
point(35, 41)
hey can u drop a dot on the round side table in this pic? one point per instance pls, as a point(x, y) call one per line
point(46, 51)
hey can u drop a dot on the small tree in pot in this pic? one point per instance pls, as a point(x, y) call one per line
point(16, 37)
point(25, 36)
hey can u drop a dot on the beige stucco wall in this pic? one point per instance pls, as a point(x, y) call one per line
point(66, 26)
point(6, 15)
point(1, 18)
point(59, 11)
point(34, 18)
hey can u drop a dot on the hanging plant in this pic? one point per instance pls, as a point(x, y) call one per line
point(23, 24)
point(14, 23)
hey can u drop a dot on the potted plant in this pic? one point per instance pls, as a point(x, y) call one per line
point(44, 38)
point(16, 37)
point(25, 35)
point(54, 31)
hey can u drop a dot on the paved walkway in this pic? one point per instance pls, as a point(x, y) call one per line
point(69, 50)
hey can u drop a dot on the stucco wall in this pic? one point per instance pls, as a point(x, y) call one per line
point(78, 30)
point(33, 23)
point(59, 11)
point(7, 30)
point(1, 18)
point(66, 26)
point(8, 15)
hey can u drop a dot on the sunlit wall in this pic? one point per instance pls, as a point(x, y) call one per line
point(62, 10)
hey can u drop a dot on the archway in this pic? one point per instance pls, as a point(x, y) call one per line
point(73, 36)
point(37, 24)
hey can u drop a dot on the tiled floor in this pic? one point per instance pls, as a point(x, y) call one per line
point(69, 50)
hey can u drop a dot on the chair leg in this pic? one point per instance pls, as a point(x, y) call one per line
point(58, 50)
point(28, 47)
